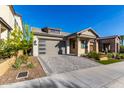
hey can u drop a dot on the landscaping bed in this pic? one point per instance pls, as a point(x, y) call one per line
point(105, 59)
point(34, 72)
point(109, 61)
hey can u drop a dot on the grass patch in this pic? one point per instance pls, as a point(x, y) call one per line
point(109, 61)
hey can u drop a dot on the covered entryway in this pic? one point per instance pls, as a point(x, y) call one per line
point(82, 42)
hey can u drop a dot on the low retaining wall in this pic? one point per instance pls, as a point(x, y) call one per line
point(4, 66)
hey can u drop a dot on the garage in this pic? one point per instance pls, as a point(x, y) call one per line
point(49, 41)
point(51, 47)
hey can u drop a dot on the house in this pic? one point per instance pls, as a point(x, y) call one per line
point(52, 41)
point(8, 19)
point(110, 43)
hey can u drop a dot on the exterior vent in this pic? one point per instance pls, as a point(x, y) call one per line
point(22, 75)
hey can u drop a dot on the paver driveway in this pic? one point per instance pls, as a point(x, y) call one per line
point(65, 63)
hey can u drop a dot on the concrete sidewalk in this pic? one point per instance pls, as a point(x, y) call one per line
point(104, 76)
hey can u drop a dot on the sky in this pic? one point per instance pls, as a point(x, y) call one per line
point(105, 20)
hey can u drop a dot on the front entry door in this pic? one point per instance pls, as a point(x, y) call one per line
point(91, 48)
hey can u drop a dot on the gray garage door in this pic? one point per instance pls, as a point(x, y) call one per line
point(51, 47)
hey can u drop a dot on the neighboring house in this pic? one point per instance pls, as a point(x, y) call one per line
point(51, 41)
point(110, 44)
point(8, 19)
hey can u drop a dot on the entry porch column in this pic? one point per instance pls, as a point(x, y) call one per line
point(67, 46)
point(97, 46)
point(88, 46)
point(78, 47)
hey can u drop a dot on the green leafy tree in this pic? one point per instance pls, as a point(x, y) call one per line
point(15, 39)
point(27, 38)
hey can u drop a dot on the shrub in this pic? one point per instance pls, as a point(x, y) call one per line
point(24, 58)
point(30, 65)
point(94, 55)
point(17, 63)
point(122, 56)
point(121, 49)
point(117, 56)
point(110, 55)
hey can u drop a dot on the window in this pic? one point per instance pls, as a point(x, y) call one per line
point(42, 46)
point(42, 52)
point(55, 31)
point(83, 44)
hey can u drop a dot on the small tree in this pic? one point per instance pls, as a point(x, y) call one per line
point(15, 39)
point(27, 38)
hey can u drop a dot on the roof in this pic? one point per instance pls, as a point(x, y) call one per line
point(38, 31)
point(109, 37)
point(78, 33)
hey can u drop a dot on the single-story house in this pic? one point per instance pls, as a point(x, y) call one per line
point(52, 41)
point(8, 19)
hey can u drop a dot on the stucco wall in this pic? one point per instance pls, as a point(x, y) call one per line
point(4, 66)
point(7, 15)
point(4, 35)
point(18, 19)
point(35, 46)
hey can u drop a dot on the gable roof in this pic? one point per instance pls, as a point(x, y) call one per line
point(87, 29)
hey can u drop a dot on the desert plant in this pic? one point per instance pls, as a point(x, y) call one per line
point(24, 58)
point(30, 65)
point(17, 63)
